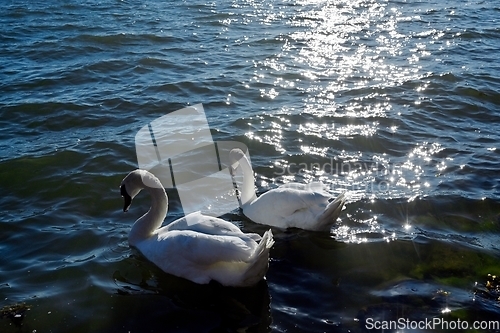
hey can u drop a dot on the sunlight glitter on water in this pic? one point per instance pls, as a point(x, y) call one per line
point(357, 234)
point(334, 48)
point(327, 44)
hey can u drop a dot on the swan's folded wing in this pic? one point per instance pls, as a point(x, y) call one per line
point(286, 201)
point(204, 249)
point(318, 187)
point(209, 225)
point(205, 224)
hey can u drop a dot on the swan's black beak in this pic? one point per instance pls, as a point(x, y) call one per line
point(126, 197)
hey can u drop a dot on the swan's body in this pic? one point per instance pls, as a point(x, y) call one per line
point(291, 205)
point(197, 247)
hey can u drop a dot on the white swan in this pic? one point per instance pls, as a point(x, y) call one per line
point(291, 205)
point(197, 247)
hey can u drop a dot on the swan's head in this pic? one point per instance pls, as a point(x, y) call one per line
point(134, 182)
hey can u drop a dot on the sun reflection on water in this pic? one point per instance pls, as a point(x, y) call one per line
point(343, 58)
point(352, 41)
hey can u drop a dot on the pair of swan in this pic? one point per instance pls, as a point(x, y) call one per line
point(202, 248)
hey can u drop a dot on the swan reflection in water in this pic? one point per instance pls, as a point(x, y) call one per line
point(151, 300)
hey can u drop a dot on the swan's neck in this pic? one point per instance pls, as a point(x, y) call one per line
point(146, 225)
point(248, 184)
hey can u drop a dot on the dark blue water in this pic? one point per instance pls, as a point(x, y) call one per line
point(395, 101)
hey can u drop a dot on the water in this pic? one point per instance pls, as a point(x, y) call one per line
point(395, 101)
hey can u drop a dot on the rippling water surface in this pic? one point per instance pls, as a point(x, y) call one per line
point(395, 101)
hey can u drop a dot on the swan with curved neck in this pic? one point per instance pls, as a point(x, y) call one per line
point(291, 205)
point(197, 247)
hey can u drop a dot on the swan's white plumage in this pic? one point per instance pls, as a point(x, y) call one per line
point(291, 205)
point(208, 225)
point(207, 248)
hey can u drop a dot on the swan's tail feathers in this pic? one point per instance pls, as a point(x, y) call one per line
point(259, 261)
point(331, 213)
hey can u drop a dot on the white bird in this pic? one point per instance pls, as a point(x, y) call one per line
point(291, 205)
point(197, 247)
